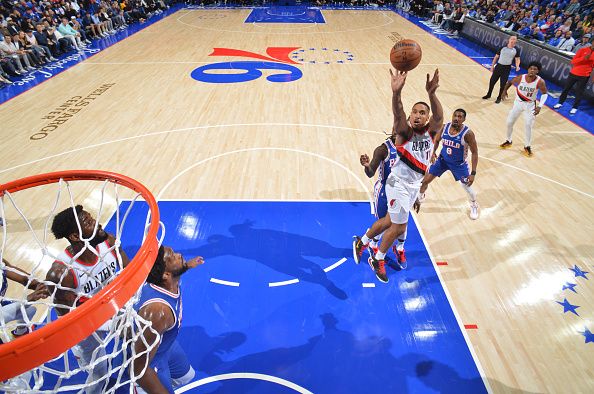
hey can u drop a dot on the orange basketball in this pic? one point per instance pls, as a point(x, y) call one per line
point(405, 55)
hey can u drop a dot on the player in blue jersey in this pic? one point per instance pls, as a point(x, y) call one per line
point(384, 157)
point(161, 303)
point(456, 139)
point(12, 310)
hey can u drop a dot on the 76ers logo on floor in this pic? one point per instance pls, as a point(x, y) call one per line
point(243, 71)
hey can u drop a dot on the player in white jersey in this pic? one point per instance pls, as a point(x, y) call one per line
point(82, 270)
point(414, 146)
point(527, 86)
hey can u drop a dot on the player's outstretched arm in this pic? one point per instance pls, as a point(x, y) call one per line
point(162, 319)
point(379, 155)
point(514, 81)
point(470, 140)
point(436, 120)
point(22, 277)
point(397, 81)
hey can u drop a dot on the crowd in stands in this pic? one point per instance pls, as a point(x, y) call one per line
point(565, 24)
point(36, 32)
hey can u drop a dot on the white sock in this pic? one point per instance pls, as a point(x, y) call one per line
point(470, 191)
point(401, 240)
point(380, 256)
point(365, 239)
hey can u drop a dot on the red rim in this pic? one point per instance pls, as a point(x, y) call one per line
point(34, 349)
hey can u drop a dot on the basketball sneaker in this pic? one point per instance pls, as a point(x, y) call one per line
point(474, 210)
point(379, 267)
point(16, 335)
point(506, 144)
point(358, 249)
point(558, 105)
point(400, 257)
point(527, 151)
point(373, 247)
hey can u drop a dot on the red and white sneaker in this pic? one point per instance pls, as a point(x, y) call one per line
point(379, 267)
point(400, 257)
point(358, 249)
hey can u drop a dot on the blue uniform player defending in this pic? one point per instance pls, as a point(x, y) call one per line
point(457, 138)
point(384, 157)
point(161, 303)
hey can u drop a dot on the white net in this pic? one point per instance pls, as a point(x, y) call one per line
point(30, 297)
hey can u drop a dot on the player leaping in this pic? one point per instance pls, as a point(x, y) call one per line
point(383, 157)
point(414, 146)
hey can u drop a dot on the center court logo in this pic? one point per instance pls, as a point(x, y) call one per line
point(276, 59)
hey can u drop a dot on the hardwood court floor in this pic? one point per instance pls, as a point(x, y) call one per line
point(301, 140)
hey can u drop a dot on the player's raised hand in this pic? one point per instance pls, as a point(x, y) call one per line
point(364, 160)
point(195, 262)
point(398, 80)
point(432, 84)
point(41, 291)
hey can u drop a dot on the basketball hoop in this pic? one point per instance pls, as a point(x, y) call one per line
point(47, 343)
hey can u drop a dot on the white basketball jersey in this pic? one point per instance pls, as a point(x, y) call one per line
point(89, 279)
point(413, 158)
point(526, 91)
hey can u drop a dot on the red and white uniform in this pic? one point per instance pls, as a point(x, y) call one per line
point(525, 103)
point(89, 279)
point(404, 181)
point(526, 91)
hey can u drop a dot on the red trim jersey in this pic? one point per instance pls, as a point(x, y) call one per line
point(526, 91)
point(89, 279)
point(413, 158)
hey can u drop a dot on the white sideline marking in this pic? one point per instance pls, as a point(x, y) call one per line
point(339, 262)
point(283, 283)
point(224, 282)
point(243, 375)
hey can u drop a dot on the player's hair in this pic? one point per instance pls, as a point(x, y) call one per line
point(423, 103)
point(461, 110)
point(156, 275)
point(64, 222)
point(535, 64)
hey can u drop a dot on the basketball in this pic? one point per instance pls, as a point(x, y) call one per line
point(405, 55)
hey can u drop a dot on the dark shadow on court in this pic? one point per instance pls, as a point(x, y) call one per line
point(335, 361)
point(281, 251)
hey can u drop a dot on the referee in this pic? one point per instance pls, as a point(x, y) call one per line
point(501, 67)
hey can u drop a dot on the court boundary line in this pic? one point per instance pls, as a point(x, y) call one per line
point(384, 13)
point(243, 375)
point(224, 282)
point(454, 310)
point(333, 127)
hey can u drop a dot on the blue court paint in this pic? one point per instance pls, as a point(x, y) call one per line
point(326, 333)
point(289, 14)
